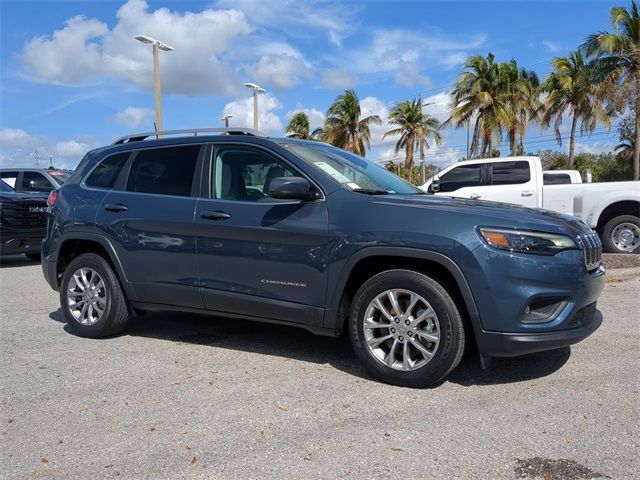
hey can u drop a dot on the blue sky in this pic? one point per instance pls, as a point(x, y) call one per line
point(73, 77)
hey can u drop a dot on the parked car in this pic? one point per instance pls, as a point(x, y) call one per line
point(611, 208)
point(235, 224)
point(22, 222)
point(561, 177)
point(34, 180)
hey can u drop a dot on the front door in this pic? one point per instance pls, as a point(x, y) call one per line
point(259, 256)
point(149, 220)
point(464, 181)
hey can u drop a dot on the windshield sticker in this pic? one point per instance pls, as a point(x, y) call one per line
point(352, 185)
point(333, 172)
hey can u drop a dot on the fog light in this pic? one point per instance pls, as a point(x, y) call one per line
point(542, 310)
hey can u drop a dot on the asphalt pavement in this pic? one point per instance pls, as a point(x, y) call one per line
point(189, 397)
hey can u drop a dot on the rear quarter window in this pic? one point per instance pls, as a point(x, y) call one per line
point(106, 173)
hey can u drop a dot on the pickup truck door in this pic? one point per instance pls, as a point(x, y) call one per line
point(513, 182)
point(259, 256)
point(465, 181)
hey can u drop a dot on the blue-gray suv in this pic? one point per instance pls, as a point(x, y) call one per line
point(235, 224)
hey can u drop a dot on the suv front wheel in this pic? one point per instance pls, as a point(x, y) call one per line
point(406, 328)
point(91, 298)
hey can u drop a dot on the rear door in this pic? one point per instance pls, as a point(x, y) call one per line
point(148, 217)
point(465, 181)
point(512, 182)
point(259, 256)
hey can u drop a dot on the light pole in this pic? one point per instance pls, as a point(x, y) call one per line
point(157, 45)
point(422, 159)
point(256, 90)
point(225, 119)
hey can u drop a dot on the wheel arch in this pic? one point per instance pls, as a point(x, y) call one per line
point(373, 260)
point(76, 244)
point(617, 208)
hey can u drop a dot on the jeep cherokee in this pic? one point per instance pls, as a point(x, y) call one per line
point(235, 224)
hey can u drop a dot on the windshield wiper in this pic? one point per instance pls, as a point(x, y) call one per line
point(370, 191)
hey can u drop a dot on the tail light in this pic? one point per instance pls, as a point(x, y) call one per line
point(53, 196)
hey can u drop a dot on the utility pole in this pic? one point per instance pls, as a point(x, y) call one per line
point(225, 119)
point(36, 159)
point(256, 90)
point(157, 45)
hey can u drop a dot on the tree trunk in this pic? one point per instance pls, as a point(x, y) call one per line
point(513, 136)
point(572, 139)
point(408, 162)
point(636, 150)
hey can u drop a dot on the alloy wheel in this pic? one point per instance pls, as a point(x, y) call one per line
point(86, 296)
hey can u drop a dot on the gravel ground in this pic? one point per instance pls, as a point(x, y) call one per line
point(620, 260)
point(181, 396)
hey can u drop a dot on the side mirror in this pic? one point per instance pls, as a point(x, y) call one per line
point(291, 188)
point(435, 184)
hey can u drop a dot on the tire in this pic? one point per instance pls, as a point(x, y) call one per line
point(445, 352)
point(33, 256)
point(622, 235)
point(107, 294)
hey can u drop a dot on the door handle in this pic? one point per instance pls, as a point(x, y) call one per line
point(474, 196)
point(526, 193)
point(117, 207)
point(217, 215)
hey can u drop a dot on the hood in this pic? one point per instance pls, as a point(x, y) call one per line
point(492, 214)
point(20, 196)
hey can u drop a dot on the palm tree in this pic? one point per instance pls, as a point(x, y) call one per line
point(344, 126)
point(415, 127)
point(479, 96)
point(625, 151)
point(523, 91)
point(571, 90)
point(618, 60)
point(298, 127)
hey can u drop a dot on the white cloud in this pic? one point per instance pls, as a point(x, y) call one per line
point(409, 75)
point(16, 137)
point(303, 19)
point(282, 71)
point(392, 50)
point(87, 50)
point(241, 112)
point(375, 106)
point(338, 79)
point(71, 148)
point(594, 147)
point(551, 46)
point(438, 105)
point(135, 116)
point(316, 117)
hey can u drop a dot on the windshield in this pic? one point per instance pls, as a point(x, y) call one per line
point(60, 176)
point(5, 187)
point(351, 171)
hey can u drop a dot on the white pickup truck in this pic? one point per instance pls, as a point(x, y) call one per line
point(610, 208)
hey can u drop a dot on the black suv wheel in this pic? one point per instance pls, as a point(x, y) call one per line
point(91, 297)
point(406, 328)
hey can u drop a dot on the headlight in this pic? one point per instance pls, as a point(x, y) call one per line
point(538, 243)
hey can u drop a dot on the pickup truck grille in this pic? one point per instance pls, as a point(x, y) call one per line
point(591, 249)
point(30, 214)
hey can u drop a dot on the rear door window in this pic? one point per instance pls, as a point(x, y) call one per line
point(106, 173)
point(510, 173)
point(460, 177)
point(164, 171)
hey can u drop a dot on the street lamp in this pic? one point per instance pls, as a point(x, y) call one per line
point(225, 119)
point(157, 45)
point(256, 90)
point(422, 159)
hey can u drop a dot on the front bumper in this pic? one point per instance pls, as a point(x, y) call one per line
point(20, 244)
point(498, 344)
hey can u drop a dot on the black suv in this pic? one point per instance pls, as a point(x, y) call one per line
point(22, 222)
point(301, 233)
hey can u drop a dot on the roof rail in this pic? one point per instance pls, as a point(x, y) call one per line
point(138, 137)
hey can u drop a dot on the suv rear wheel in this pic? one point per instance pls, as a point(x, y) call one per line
point(91, 298)
point(406, 328)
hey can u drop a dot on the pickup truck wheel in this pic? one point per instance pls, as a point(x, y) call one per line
point(622, 235)
point(406, 328)
point(91, 298)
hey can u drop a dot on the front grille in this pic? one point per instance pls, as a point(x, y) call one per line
point(25, 217)
point(583, 317)
point(591, 249)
